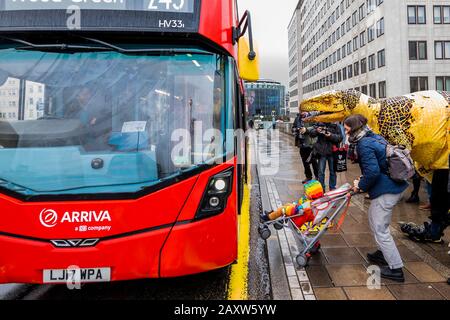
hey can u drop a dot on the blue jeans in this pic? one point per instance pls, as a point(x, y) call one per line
point(322, 166)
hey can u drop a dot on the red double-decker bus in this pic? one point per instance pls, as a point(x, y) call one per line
point(115, 153)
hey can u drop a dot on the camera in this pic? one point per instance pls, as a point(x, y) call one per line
point(323, 128)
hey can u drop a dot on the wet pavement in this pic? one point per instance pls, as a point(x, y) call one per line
point(339, 270)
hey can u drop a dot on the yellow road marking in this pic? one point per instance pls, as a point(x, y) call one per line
point(238, 283)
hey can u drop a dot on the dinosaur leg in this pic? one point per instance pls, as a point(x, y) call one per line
point(433, 232)
point(439, 201)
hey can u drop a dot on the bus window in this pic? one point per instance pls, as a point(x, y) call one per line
point(119, 110)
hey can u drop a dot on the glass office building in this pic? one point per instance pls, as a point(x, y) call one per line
point(265, 97)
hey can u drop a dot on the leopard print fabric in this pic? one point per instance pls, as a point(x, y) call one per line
point(395, 119)
point(350, 98)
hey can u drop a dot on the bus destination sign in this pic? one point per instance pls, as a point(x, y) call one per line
point(100, 15)
point(136, 5)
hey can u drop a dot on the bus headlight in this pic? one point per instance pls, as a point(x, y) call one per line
point(220, 185)
point(216, 195)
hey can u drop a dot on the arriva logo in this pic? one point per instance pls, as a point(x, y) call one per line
point(49, 218)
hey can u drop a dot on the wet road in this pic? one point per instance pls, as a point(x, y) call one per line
point(208, 286)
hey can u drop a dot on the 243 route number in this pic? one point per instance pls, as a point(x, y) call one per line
point(177, 5)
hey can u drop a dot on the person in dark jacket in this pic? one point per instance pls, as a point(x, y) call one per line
point(328, 135)
point(305, 143)
point(370, 153)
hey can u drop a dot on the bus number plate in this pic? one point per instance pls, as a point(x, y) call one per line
point(77, 275)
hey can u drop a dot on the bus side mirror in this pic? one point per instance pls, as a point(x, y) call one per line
point(248, 68)
point(247, 57)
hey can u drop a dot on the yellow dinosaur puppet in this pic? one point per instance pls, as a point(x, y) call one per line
point(419, 121)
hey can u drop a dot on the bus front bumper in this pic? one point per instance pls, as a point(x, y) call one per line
point(187, 248)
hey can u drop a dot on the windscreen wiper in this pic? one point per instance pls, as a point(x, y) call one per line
point(56, 46)
point(14, 186)
point(159, 51)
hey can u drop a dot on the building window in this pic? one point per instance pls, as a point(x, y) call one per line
point(338, 54)
point(347, 23)
point(381, 58)
point(443, 83)
point(354, 18)
point(355, 43)
point(339, 76)
point(373, 90)
point(370, 6)
point(362, 13)
point(417, 15)
point(344, 54)
point(441, 14)
point(380, 27)
point(363, 66)
point(417, 50)
point(350, 71)
point(364, 89)
point(349, 47)
point(344, 74)
point(362, 39)
point(418, 84)
point(356, 68)
point(371, 33)
point(382, 89)
point(442, 50)
point(371, 62)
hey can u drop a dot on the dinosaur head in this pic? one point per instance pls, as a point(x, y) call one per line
point(330, 106)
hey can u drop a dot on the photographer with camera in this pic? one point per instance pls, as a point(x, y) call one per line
point(328, 135)
point(305, 143)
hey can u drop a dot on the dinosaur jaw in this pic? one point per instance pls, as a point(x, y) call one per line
point(325, 107)
point(324, 116)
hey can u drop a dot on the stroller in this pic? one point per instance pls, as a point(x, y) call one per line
point(326, 211)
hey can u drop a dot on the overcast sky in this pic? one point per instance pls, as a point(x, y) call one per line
point(270, 21)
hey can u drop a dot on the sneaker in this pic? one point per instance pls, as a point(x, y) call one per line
point(425, 207)
point(423, 234)
point(392, 274)
point(377, 258)
point(406, 227)
point(413, 199)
